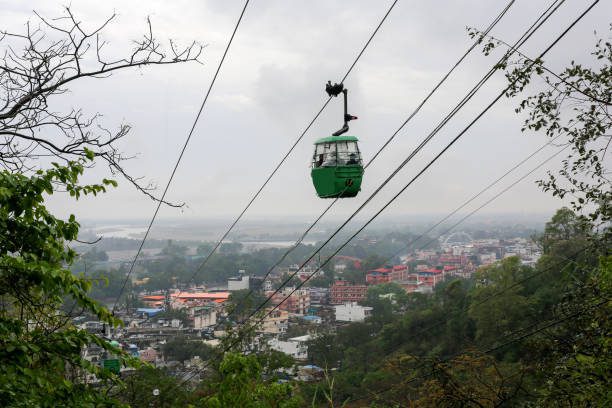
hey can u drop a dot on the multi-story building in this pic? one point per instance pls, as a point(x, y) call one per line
point(399, 273)
point(297, 302)
point(378, 276)
point(148, 355)
point(275, 323)
point(394, 273)
point(422, 281)
point(240, 282)
point(352, 312)
point(204, 316)
point(318, 296)
point(342, 291)
point(296, 347)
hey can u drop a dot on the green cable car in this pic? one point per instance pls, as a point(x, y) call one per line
point(111, 362)
point(337, 168)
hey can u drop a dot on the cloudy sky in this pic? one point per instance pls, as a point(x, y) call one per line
point(272, 84)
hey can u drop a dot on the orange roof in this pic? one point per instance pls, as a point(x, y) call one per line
point(203, 295)
point(153, 297)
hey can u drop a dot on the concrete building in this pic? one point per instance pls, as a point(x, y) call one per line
point(343, 291)
point(238, 283)
point(318, 296)
point(378, 276)
point(204, 316)
point(297, 302)
point(352, 312)
point(275, 323)
point(267, 286)
point(295, 347)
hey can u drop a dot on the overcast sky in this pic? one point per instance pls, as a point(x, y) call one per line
point(272, 84)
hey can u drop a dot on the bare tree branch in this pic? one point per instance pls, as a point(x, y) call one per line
point(40, 64)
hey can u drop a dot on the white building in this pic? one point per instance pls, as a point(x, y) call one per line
point(266, 286)
point(295, 347)
point(352, 312)
point(239, 283)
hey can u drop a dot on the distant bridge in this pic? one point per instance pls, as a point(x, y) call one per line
point(458, 237)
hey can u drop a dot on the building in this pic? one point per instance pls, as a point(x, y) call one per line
point(399, 273)
point(386, 274)
point(378, 276)
point(423, 281)
point(342, 292)
point(318, 296)
point(275, 323)
point(181, 300)
point(148, 355)
point(267, 286)
point(204, 316)
point(352, 312)
point(238, 283)
point(296, 302)
point(312, 319)
point(296, 347)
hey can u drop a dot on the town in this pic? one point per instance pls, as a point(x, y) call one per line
point(327, 298)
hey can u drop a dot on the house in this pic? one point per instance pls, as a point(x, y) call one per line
point(296, 347)
point(352, 312)
point(275, 322)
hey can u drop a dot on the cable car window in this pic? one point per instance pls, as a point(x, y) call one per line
point(325, 155)
point(348, 153)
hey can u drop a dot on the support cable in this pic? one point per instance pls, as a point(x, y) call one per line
point(419, 174)
point(180, 157)
point(417, 109)
point(544, 17)
point(282, 161)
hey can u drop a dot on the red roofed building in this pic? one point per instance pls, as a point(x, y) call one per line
point(201, 295)
point(153, 300)
point(342, 292)
point(378, 276)
point(189, 299)
point(399, 273)
point(395, 273)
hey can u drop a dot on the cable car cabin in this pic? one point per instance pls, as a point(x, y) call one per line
point(337, 169)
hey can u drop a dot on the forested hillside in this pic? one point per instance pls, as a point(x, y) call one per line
point(512, 335)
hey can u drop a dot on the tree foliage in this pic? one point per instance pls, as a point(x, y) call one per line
point(513, 335)
point(41, 362)
point(239, 384)
point(181, 349)
point(572, 109)
point(39, 345)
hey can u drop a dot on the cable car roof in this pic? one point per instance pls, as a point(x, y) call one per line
point(331, 139)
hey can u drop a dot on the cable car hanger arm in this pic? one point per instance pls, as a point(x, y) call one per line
point(335, 90)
